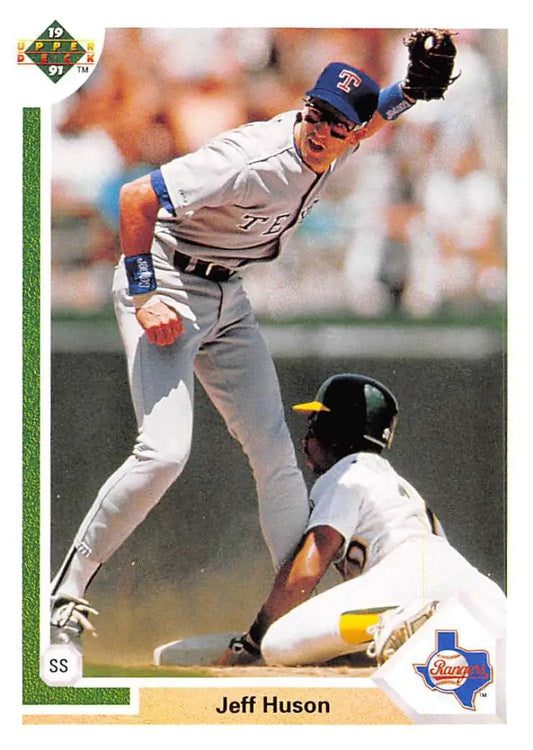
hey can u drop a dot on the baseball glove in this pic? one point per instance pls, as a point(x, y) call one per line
point(431, 60)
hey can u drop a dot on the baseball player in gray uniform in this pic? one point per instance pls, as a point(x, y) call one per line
point(187, 230)
point(375, 528)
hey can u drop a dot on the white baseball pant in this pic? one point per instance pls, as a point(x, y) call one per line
point(423, 568)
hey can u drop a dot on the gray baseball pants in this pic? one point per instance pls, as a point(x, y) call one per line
point(222, 344)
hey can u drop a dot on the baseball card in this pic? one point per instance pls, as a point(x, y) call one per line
point(266, 412)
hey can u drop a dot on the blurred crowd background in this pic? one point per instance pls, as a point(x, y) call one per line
point(416, 226)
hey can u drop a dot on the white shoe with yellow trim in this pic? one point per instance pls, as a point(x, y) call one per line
point(395, 627)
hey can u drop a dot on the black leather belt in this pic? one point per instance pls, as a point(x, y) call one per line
point(201, 268)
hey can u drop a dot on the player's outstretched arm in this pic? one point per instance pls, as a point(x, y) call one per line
point(293, 584)
point(139, 207)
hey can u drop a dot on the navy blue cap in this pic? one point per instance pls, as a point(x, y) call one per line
point(349, 90)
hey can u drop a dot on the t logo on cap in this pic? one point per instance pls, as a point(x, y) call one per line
point(349, 90)
point(348, 77)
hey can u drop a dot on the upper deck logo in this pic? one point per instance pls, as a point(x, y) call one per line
point(55, 52)
point(452, 669)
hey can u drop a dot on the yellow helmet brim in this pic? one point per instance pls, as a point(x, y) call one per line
point(310, 406)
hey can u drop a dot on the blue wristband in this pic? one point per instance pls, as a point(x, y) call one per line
point(392, 102)
point(140, 273)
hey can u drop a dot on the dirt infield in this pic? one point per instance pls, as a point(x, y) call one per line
point(143, 670)
point(333, 672)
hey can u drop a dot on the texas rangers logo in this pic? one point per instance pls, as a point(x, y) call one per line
point(347, 79)
point(452, 669)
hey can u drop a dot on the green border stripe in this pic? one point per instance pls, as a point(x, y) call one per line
point(35, 691)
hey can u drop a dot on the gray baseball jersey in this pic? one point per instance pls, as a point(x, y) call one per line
point(234, 201)
point(241, 196)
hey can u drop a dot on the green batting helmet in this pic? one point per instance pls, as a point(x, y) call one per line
point(350, 410)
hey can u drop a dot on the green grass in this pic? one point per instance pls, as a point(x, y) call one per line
point(485, 316)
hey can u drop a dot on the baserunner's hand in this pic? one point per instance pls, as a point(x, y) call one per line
point(231, 659)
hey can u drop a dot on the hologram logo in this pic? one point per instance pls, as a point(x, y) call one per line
point(55, 52)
